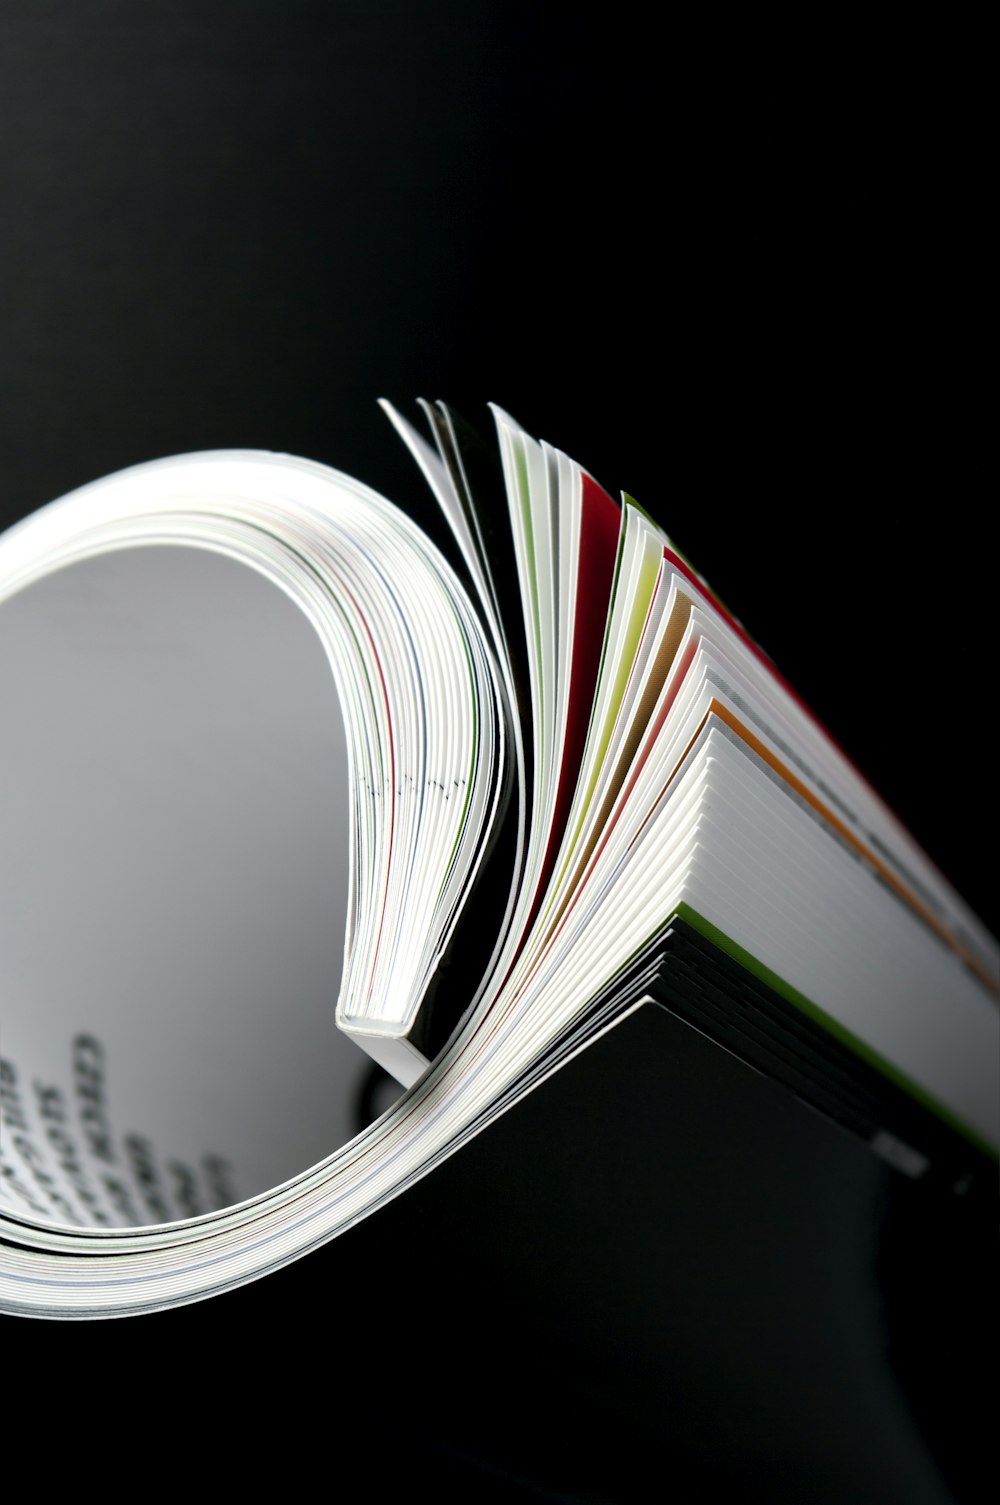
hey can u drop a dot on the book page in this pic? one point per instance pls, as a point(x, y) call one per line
point(173, 891)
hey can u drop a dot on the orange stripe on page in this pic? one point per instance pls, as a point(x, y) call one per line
point(844, 831)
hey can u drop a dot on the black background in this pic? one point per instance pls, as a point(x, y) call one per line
point(728, 269)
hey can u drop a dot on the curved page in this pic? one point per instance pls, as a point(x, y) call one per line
point(174, 883)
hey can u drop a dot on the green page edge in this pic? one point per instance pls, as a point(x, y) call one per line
point(833, 1027)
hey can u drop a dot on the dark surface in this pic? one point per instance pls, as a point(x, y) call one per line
point(726, 271)
point(659, 1276)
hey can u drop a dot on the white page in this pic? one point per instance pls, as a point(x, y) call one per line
point(173, 887)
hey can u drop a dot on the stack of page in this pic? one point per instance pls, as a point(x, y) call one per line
point(322, 849)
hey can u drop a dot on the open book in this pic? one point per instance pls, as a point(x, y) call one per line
point(321, 850)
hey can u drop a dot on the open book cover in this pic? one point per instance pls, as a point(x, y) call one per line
point(350, 846)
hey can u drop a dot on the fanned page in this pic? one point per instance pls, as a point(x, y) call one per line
point(479, 811)
point(637, 673)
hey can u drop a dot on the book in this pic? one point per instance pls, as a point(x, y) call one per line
point(323, 850)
